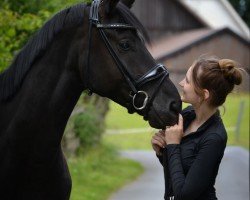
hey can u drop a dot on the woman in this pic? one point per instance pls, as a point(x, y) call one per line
point(191, 151)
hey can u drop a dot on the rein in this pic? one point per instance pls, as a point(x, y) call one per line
point(157, 72)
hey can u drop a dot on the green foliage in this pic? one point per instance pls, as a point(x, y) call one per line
point(15, 29)
point(88, 127)
point(20, 19)
point(30, 6)
point(243, 8)
point(86, 124)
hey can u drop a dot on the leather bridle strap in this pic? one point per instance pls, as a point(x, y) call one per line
point(118, 62)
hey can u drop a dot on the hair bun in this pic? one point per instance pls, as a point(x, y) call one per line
point(230, 71)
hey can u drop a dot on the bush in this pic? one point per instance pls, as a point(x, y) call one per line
point(86, 125)
point(88, 128)
point(19, 20)
point(15, 30)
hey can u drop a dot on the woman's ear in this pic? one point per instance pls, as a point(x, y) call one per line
point(206, 94)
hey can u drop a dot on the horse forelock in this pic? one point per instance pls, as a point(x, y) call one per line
point(130, 18)
point(12, 78)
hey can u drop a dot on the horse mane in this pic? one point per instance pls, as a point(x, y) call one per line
point(130, 18)
point(11, 79)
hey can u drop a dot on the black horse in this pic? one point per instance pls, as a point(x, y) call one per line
point(97, 47)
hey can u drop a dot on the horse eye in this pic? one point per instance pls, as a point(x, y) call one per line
point(124, 45)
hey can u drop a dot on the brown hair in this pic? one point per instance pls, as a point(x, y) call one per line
point(218, 76)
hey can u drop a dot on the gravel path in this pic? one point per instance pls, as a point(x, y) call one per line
point(232, 181)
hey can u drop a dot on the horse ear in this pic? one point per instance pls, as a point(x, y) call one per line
point(128, 3)
point(107, 6)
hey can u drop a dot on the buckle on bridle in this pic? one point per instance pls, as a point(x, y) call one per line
point(144, 102)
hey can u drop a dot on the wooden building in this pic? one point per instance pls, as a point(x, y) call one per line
point(165, 17)
point(180, 35)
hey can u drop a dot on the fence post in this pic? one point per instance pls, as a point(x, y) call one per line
point(239, 119)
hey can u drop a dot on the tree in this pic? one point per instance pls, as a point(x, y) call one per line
point(15, 30)
point(243, 8)
point(20, 19)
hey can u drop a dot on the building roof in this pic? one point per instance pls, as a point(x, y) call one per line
point(169, 46)
point(218, 14)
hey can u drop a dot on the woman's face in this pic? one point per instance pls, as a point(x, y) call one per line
point(188, 94)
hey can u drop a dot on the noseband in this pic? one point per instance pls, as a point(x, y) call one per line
point(157, 72)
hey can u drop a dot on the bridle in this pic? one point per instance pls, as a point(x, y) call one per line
point(157, 72)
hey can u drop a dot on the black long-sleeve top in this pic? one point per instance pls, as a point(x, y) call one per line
point(191, 167)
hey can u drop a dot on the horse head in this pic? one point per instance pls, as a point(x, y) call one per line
point(119, 66)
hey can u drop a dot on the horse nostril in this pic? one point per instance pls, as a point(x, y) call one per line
point(175, 106)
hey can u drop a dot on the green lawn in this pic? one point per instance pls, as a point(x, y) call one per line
point(119, 119)
point(230, 119)
point(100, 172)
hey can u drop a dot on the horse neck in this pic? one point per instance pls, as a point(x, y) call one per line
point(48, 94)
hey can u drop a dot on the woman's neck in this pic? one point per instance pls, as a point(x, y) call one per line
point(203, 113)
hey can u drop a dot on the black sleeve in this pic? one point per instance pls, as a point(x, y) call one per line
point(160, 159)
point(202, 171)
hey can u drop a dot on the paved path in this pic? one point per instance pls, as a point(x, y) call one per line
point(232, 181)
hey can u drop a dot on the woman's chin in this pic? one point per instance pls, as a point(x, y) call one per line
point(184, 100)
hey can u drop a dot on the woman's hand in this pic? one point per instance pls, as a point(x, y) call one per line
point(158, 142)
point(174, 133)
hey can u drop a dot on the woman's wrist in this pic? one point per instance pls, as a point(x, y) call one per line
point(173, 142)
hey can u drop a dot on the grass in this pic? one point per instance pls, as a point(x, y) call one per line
point(100, 172)
point(119, 119)
point(130, 141)
point(230, 119)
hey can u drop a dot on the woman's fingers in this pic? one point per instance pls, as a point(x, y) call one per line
point(158, 141)
point(161, 138)
point(173, 134)
point(180, 122)
point(161, 132)
point(161, 135)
